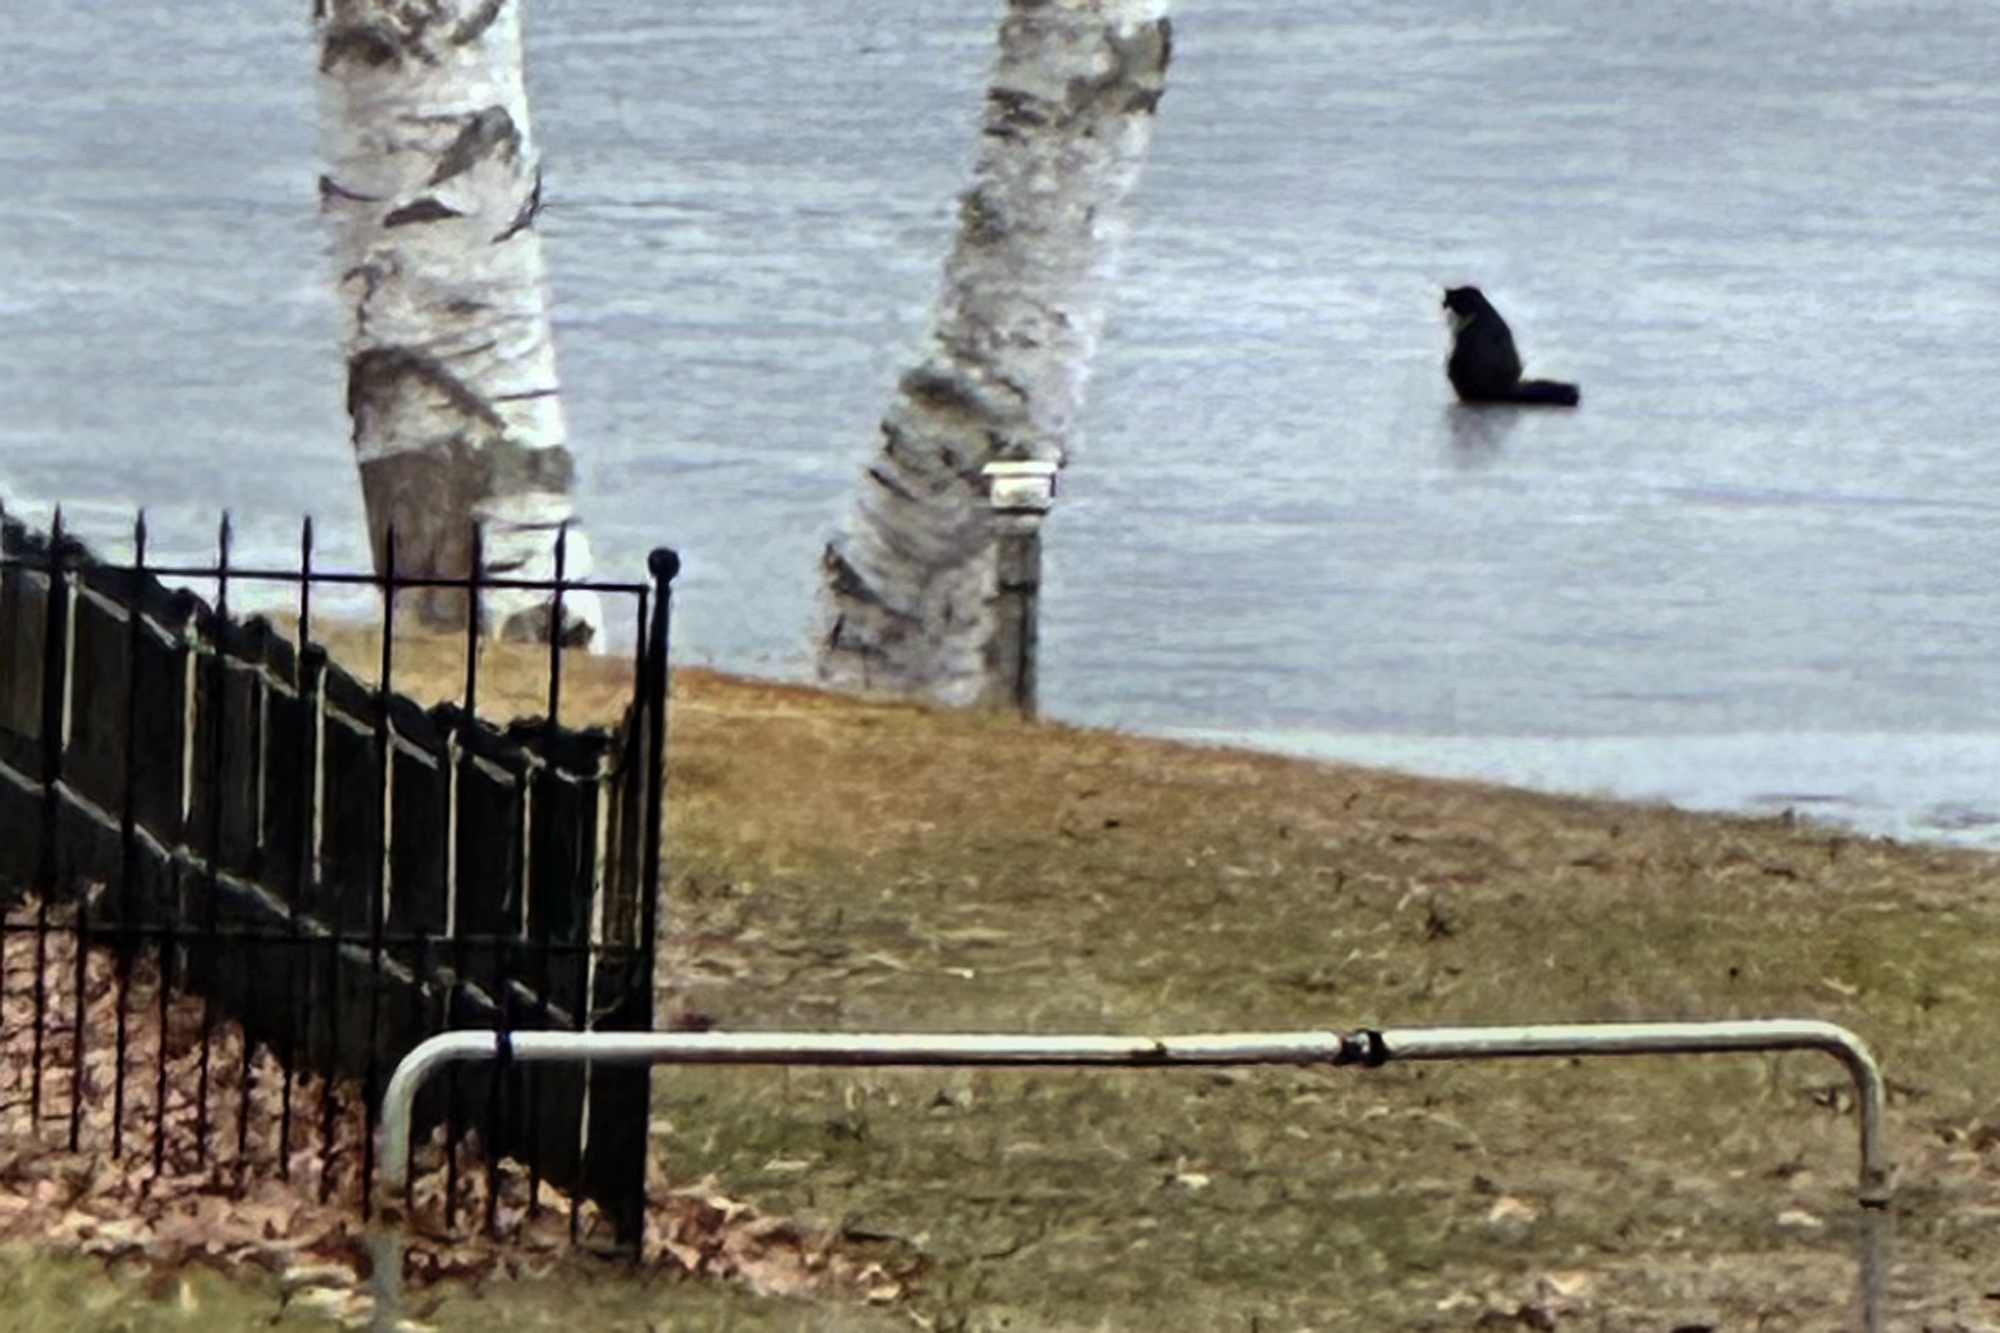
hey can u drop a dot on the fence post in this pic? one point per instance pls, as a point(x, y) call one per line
point(378, 905)
point(556, 637)
point(663, 564)
point(55, 706)
point(121, 914)
point(55, 745)
point(212, 692)
point(1020, 493)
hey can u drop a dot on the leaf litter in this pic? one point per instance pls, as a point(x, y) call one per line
point(224, 1159)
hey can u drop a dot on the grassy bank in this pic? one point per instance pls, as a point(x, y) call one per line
point(855, 866)
point(843, 865)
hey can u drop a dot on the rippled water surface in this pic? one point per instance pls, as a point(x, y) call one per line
point(1756, 569)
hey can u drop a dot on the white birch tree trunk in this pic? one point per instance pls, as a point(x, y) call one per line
point(432, 187)
point(910, 585)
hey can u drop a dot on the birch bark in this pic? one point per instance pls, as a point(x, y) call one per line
point(432, 188)
point(909, 586)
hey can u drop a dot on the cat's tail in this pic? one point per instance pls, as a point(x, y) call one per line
point(1545, 393)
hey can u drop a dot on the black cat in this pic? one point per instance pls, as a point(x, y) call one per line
point(1484, 367)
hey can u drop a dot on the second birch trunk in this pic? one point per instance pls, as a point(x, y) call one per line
point(910, 585)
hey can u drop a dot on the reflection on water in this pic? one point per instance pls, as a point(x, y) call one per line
point(1759, 236)
point(1477, 433)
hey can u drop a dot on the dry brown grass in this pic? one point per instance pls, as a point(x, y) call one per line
point(852, 865)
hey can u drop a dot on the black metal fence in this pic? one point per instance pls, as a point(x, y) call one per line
point(240, 881)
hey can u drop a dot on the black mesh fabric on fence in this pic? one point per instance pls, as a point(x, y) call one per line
point(240, 881)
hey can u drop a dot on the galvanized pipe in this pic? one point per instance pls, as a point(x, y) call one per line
point(1762, 1034)
point(821, 1048)
point(1366, 1047)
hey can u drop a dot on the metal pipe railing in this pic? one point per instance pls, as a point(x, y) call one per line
point(1366, 1047)
point(1763, 1034)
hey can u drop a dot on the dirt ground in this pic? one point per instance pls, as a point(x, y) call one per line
point(838, 865)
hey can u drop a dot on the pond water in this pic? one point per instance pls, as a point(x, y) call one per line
point(1754, 570)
